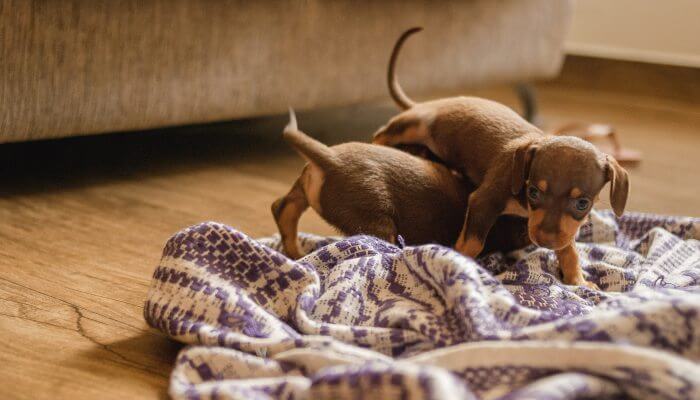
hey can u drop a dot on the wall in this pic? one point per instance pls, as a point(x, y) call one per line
point(662, 32)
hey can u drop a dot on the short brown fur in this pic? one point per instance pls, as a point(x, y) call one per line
point(384, 192)
point(507, 158)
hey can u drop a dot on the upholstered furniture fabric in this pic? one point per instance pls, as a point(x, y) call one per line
point(73, 67)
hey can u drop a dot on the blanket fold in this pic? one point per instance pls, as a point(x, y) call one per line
point(361, 318)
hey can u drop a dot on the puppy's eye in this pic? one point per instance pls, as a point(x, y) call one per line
point(533, 193)
point(582, 204)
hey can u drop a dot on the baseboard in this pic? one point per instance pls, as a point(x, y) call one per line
point(630, 77)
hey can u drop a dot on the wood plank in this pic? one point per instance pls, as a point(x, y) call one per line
point(83, 222)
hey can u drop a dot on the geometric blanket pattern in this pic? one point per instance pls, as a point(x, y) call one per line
point(361, 318)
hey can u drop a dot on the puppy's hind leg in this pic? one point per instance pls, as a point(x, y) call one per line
point(385, 229)
point(376, 223)
point(402, 129)
point(287, 210)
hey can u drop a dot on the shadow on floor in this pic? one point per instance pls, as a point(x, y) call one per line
point(61, 164)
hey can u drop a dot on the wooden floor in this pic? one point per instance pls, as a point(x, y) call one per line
point(83, 221)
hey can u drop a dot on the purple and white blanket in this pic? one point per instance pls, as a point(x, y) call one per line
point(359, 318)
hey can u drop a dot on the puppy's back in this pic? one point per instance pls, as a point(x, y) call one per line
point(425, 200)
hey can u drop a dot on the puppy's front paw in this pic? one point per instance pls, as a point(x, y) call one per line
point(591, 285)
point(294, 254)
point(469, 247)
point(580, 281)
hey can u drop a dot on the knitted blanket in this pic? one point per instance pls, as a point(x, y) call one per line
point(358, 318)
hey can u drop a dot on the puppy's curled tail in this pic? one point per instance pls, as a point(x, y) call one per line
point(401, 99)
point(311, 149)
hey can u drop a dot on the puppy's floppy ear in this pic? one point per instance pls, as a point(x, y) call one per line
point(619, 185)
point(522, 158)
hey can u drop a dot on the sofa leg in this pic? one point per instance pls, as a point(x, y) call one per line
point(528, 102)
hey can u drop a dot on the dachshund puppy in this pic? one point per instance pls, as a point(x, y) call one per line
point(553, 181)
point(361, 188)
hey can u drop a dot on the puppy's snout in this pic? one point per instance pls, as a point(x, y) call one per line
point(545, 239)
point(551, 231)
point(550, 240)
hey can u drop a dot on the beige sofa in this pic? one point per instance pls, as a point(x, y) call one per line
point(73, 67)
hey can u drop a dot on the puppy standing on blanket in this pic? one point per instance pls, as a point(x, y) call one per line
point(518, 170)
point(362, 188)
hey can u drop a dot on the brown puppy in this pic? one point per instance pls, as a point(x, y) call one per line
point(366, 189)
point(518, 170)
